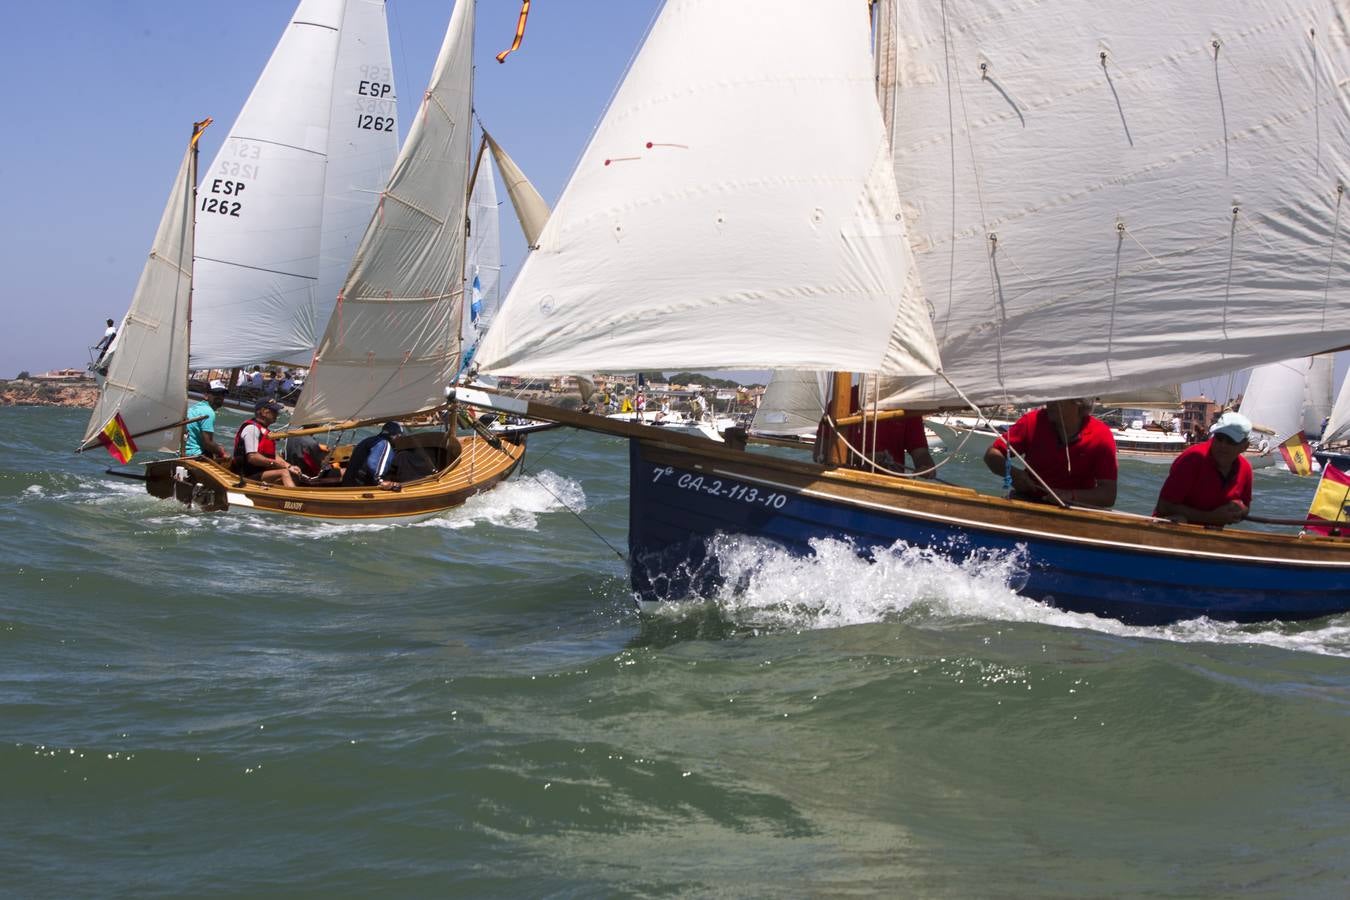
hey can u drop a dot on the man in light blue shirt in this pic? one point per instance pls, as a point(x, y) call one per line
point(200, 436)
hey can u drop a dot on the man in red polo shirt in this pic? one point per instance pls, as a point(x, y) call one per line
point(1211, 483)
point(1073, 452)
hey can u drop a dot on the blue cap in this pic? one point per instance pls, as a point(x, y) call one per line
point(392, 428)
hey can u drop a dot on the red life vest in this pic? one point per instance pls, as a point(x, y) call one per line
point(266, 446)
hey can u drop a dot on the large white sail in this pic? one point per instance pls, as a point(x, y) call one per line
point(1338, 426)
point(736, 208)
point(482, 254)
point(286, 200)
point(1103, 197)
point(392, 344)
point(147, 378)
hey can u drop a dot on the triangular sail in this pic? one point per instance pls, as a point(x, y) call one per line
point(792, 404)
point(482, 255)
point(736, 208)
point(1098, 203)
point(286, 199)
point(147, 378)
point(1338, 425)
point(1317, 394)
point(531, 210)
point(1274, 397)
point(392, 344)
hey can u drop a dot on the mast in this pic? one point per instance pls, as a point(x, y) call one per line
point(197, 129)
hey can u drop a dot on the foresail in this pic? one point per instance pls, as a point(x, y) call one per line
point(482, 254)
point(793, 403)
point(392, 344)
point(531, 210)
point(147, 380)
point(1273, 400)
point(736, 208)
point(1104, 197)
point(286, 199)
point(1338, 426)
point(1318, 387)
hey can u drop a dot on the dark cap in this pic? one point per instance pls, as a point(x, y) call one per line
point(392, 428)
point(273, 405)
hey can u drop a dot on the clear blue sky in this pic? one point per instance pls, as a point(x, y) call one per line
point(102, 96)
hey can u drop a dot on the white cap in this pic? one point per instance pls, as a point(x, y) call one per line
point(1234, 426)
point(217, 387)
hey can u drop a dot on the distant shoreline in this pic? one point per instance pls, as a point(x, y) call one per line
point(25, 392)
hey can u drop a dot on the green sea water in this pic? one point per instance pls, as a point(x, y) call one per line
point(231, 705)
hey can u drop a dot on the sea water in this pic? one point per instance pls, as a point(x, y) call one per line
point(238, 705)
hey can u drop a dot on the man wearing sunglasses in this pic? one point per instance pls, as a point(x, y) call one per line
point(1210, 483)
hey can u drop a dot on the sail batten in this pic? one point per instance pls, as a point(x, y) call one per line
point(391, 344)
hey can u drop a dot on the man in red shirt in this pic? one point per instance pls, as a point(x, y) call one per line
point(1211, 483)
point(1073, 452)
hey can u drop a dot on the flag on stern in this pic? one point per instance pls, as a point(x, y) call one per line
point(117, 439)
point(1297, 454)
point(1329, 503)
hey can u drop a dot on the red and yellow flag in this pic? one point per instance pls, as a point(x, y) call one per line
point(1297, 454)
point(1329, 503)
point(117, 439)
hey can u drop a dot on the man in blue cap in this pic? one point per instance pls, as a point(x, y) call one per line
point(1211, 483)
point(369, 464)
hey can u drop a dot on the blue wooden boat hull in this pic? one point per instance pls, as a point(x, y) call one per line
point(1130, 569)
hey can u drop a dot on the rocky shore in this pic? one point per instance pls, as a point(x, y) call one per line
point(24, 392)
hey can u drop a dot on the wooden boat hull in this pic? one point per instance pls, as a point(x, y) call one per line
point(1126, 567)
point(211, 486)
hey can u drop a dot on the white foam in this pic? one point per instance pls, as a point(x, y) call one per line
point(516, 503)
point(769, 587)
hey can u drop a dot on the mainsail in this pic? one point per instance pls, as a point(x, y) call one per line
point(392, 343)
point(1102, 197)
point(147, 378)
point(284, 204)
point(736, 208)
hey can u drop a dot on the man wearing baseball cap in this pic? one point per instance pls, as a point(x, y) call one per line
point(1210, 483)
point(199, 438)
point(255, 453)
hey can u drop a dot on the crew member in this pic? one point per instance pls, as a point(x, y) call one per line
point(199, 438)
point(369, 464)
point(1210, 483)
point(1071, 450)
point(255, 453)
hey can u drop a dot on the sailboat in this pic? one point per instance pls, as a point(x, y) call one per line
point(392, 343)
point(1280, 399)
point(1027, 214)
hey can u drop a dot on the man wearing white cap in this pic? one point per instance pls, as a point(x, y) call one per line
point(199, 438)
point(1210, 483)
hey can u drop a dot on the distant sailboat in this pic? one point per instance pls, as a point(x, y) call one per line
point(390, 347)
point(1280, 399)
point(1067, 236)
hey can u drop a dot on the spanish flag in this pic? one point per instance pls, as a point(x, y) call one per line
point(1330, 501)
point(1297, 454)
point(117, 439)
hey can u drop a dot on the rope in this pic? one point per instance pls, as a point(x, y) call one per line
point(1331, 257)
point(563, 503)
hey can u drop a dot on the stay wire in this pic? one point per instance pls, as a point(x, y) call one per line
point(563, 503)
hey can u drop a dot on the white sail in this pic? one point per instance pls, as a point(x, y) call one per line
point(736, 208)
point(793, 403)
point(531, 210)
point(1338, 426)
point(147, 378)
point(1273, 400)
point(482, 254)
point(285, 202)
point(1317, 390)
point(1103, 197)
point(392, 344)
